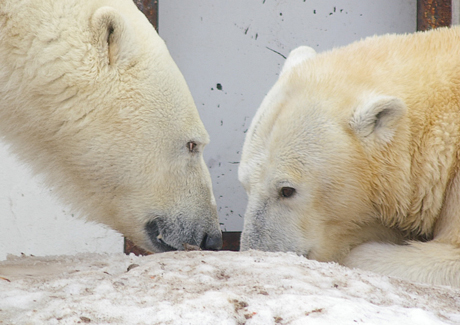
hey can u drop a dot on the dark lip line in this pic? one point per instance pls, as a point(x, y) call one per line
point(165, 247)
point(156, 238)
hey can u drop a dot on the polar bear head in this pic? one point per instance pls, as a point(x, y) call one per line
point(95, 102)
point(309, 160)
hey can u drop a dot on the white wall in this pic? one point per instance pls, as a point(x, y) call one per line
point(33, 222)
point(228, 42)
point(234, 43)
point(455, 12)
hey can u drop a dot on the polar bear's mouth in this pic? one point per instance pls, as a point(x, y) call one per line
point(163, 243)
point(165, 235)
point(156, 237)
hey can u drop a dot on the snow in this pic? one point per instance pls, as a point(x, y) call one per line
point(199, 287)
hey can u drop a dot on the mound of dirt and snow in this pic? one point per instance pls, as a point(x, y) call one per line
point(200, 287)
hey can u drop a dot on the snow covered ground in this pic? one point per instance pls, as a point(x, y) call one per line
point(212, 288)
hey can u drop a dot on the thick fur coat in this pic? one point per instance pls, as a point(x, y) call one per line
point(353, 157)
point(91, 98)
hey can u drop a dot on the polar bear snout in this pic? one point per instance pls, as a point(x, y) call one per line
point(154, 230)
point(212, 242)
point(167, 234)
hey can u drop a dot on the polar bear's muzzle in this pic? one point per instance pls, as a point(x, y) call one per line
point(169, 235)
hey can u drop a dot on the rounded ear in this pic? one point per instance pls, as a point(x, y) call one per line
point(111, 33)
point(378, 119)
point(297, 56)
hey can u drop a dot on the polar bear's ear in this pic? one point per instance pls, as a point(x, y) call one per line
point(111, 34)
point(378, 119)
point(297, 56)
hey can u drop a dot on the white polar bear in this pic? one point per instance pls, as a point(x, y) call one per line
point(354, 157)
point(90, 97)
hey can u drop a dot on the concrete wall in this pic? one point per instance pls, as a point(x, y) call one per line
point(33, 222)
point(230, 52)
point(455, 12)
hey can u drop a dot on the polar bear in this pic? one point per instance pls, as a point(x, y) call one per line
point(91, 98)
point(354, 157)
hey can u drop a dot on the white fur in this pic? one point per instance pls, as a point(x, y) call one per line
point(296, 57)
point(368, 136)
point(91, 98)
point(440, 261)
point(376, 121)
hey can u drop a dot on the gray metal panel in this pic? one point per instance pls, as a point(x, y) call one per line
point(231, 51)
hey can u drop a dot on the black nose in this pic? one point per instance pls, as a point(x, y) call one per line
point(212, 242)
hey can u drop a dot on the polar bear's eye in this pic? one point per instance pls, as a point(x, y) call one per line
point(287, 191)
point(191, 146)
